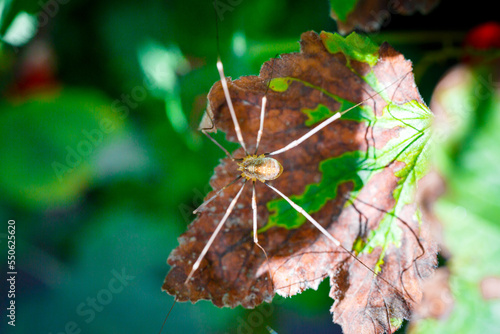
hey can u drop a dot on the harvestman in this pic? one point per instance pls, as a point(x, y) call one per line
point(265, 168)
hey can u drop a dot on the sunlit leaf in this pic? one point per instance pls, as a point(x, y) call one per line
point(357, 177)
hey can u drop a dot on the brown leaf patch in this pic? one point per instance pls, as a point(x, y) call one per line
point(235, 271)
point(370, 15)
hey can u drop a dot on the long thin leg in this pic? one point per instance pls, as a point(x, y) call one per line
point(164, 321)
point(230, 105)
point(229, 155)
point(263, 110)
point(310, 133)
point(328, 121)
point(330, 237)
point(215, 195)
point(308, 217)
point(211, 128)
point(214, 234)
point(255, 237)
point(254, 210)
point(261, 127)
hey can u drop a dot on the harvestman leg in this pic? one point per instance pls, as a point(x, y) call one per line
point(302, 211)
point(254, 199)
point(214, 234)
point(328, 235)
point(261, 126)
point(233, 202)
point(205, 132)
point(259, 136)
point(254, 202)
point(229, 155)
point(237, 128)
point(215, 195)
point(254, 211)
point(305, 214)
point(327, 122)
point(311, 133)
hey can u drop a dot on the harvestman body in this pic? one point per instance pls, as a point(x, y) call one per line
point(264, 168)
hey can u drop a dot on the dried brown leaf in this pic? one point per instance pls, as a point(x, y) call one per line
point(235, 271)
point(370, 15)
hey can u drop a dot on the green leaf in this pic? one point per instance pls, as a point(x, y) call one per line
point(410, 148)
point(354, 46)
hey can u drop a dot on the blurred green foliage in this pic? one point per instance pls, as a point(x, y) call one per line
point(121, 206)
point(467, 155)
